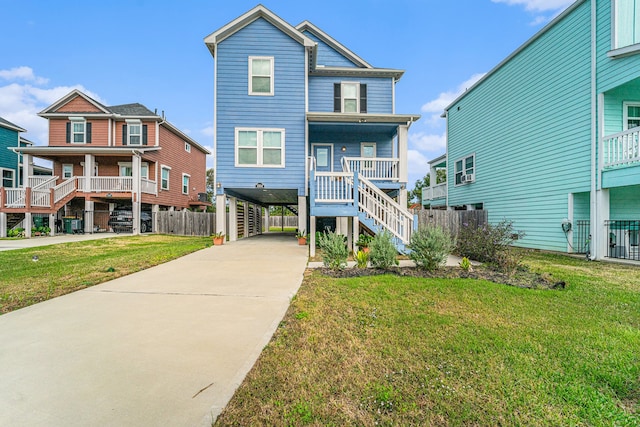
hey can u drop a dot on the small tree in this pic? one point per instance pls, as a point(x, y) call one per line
point(334, 250)
point(383, 253)
point(430, 246)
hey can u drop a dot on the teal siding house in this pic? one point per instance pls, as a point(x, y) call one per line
point(9, 160)
point(303, 122)
point(549, 138)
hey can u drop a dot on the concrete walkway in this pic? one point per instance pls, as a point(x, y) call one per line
point(165, 346)
point(10, 244)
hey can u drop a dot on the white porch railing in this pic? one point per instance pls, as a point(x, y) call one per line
point(63, 189)
point(42, 182)
point(622, 148)
point(105, 184)
point(436, 192)
point(148, 186)
point(374, 169)
point(41, 198)
point(15, 197)
point(383, 210)
point(334, 187)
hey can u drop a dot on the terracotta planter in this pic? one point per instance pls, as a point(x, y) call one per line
point(365, 249)
point(302, 241)
point(218, 241)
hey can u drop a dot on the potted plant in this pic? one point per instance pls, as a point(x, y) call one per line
point(218, 238)
point(302, 237)
point(363, 242)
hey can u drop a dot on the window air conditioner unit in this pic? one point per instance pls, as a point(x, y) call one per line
point(468, 178)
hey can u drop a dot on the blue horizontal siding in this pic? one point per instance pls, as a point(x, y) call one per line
point(328, 56)
point(235, 108)
point(529, 126)
point(351, 141)
point(379, 93)
point(8, 159)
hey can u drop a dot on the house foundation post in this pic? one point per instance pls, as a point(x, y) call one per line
point(28, 223)
point(155, 210)
point(221, 213)
point(403, 167)
point(3, 224)
point(350, 233)
point(88, 216)
point(136, 205)
point(233, 214)
point(52, 224)
point(356, 233)
point(27, 170)
point(602, 215)
point(302, 214)
point(266, 219)
point(312, 236)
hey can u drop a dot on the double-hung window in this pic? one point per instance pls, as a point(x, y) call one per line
point(260, 147)
point(349, 97)
point(261, 75)
point(464, 170)
point(134, 132)
point(7, 178)
point(126, 169)
point(185, 183)
point(631, 115)
point(164, 177)
point(626, 23)
point(67, 171)
point(78, 131)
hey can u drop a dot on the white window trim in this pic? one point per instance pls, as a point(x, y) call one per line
point(464, 170)
point(74, 120)
point(323, 144)
point(618, 51)
point(187, 147)
point(168, 168)
point(188, 183)
point(342, 98)
point(133, 122)
point(67, 164)
point(375, 149)
point(13, 177)
point(625, 113)
point(271, 76)
point(130, 164)
point(260, 148)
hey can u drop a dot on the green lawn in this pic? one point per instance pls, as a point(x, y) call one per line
point(392, 350)
point(67, 267)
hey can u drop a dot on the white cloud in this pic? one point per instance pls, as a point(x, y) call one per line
point(418, 166)
point(428, 142)
point(538, 5)
point(207, 131)
point(26, 96)
point(445, 98)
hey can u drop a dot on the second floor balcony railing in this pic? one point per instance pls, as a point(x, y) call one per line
point(114, 184)
point(621, 148)
point(436, 192)
point(374, 169)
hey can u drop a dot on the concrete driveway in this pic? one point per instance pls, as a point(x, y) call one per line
point(165, 346)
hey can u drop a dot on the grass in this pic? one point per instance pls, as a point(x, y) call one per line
point(404, 351)
point(286, 229)
point(68, 267)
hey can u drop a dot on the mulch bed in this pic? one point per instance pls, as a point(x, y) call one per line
point(521, 278)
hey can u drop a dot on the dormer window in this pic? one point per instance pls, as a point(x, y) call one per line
point(261, 75)
point(349, 97)
point(78, 131)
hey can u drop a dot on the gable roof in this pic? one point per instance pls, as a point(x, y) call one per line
point(65, 99)
point(8, 125)
point(135, 109)
point(242, 21)
point(333, 43)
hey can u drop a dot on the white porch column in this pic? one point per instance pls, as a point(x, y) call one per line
point(356, 233)
point(312, 236)
point(233, 224)
point(27, 170)
point(28, 223)
point(88, 215)
point(343, 225)
point(155, 209)
point(136, 169)
point(3, 224)
point(89, 161)
point(221, 214)
point(600, 249)
point(52, 224)
point(350, 233)
point(266, 219)
point(302, 213)
point(403, 167)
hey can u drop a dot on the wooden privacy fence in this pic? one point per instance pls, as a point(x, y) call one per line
point(185, 223)
point(451, 220)
point(289, 221)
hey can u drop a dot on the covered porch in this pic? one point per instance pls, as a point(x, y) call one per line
point(435, 195)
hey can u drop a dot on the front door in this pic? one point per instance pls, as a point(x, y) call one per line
point(323, 153)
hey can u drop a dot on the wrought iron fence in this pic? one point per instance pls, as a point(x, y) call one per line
point(623, 238)
point(581, 236)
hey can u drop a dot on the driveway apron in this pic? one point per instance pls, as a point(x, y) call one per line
point(165, 346)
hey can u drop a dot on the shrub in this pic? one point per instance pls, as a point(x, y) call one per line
point(334, 250)
point(383, 252)
point(489, 243)
point(362, 259)
point(465, 264)
point(430, 247)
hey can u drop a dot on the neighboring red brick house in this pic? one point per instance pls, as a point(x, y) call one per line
point(109, 158)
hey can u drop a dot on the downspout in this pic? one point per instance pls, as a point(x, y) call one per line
point(594, 205)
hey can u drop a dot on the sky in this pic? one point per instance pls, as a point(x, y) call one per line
point(152, 52)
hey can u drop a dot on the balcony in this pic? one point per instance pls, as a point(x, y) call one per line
point(373, 169)
point(434, 196)
point(114, 184)
point(621, 149)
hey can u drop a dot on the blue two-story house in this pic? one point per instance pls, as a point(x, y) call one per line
point(549, 138)
point(302, 121)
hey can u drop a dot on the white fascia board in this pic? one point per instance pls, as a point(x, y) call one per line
point(81, 150)
point(362, 118)
point(363, 72)
point(339, 47)
point(257, 12)
point(11, 126)
point(184, 136)
point(68, 97)
point(439, 159)
point(517, 51)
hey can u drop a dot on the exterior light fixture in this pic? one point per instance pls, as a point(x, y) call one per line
point(218, 185)
point(259, 185)
point(344, 148)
